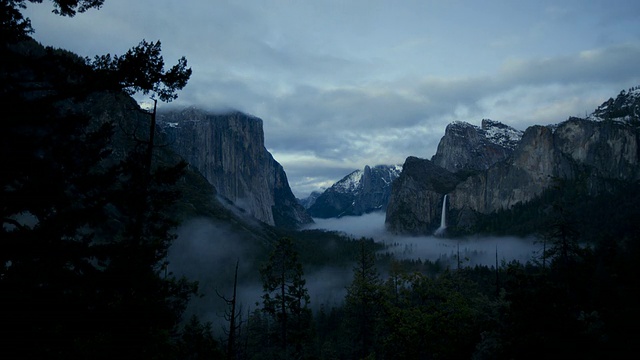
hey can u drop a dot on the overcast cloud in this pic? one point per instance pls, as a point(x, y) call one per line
point(343, 84)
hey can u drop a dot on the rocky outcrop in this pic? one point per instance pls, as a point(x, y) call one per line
point(610, 148)
point(624, 108)
point(596, 152)
point(228, 149)
point(530, 170)
point(415, 205)
point(469, 147)
point(360, 192)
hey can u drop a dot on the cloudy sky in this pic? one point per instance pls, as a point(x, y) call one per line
point(344, 84)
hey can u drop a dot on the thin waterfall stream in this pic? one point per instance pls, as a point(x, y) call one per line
point(443, 218)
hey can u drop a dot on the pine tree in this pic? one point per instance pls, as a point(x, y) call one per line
point(84, 234)
point(15, 27)
point(233, 316)
point(286, 299)
point(150, 300)
point(364, 300)
point(196, 342)
point(54, 192)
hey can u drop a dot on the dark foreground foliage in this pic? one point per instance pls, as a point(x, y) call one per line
point(86, 224)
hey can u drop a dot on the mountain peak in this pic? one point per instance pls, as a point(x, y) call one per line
point(360, 192)
point(624, 108)
point(348, 183)
point(469, 147)
point(501, 134)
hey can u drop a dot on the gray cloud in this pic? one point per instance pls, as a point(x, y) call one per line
point(603, 65)
point(343, 84)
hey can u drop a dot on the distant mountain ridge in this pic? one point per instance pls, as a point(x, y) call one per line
point(360, 192)
point(310, 200)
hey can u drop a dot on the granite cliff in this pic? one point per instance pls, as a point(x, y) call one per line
point(596, 152)
point(469, 147)
point(228, 149)
point(415, 204)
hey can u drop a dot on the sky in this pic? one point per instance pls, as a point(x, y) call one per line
point(344, 84)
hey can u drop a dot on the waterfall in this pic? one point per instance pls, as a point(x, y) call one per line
point(443, 218)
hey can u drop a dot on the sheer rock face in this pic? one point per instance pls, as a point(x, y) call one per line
point(415, 205)
point(229, 151)
point(597, 151)
point(522, 177)
point(609, 147)
point(360, 192)
point(469, 147)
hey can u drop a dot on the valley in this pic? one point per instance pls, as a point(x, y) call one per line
point(172, 232)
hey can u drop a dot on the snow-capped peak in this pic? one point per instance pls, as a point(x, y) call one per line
point(352, 183)
point(349, 183)
point(492, 131)
point(624, 108)
point(501, 134)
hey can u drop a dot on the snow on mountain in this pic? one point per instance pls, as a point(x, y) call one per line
point(468, 147)
point(350, 183)
point(360, 192)
point(624, 108)
point(501, 134)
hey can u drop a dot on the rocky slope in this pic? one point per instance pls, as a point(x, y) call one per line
point(228, 149)
point(360, 192)
point(596, 153)
point(624, 108)
point(469, 147)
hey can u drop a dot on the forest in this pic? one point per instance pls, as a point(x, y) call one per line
point(89, 212)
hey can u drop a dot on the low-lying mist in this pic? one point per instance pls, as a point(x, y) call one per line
point(473, 250)
point(206, 252)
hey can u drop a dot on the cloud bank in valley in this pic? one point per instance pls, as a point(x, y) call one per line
point(206, 251)
point(473, 250)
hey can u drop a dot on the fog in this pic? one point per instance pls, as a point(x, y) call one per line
point(368, 225)
point(207, 252)
point(473, 250)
